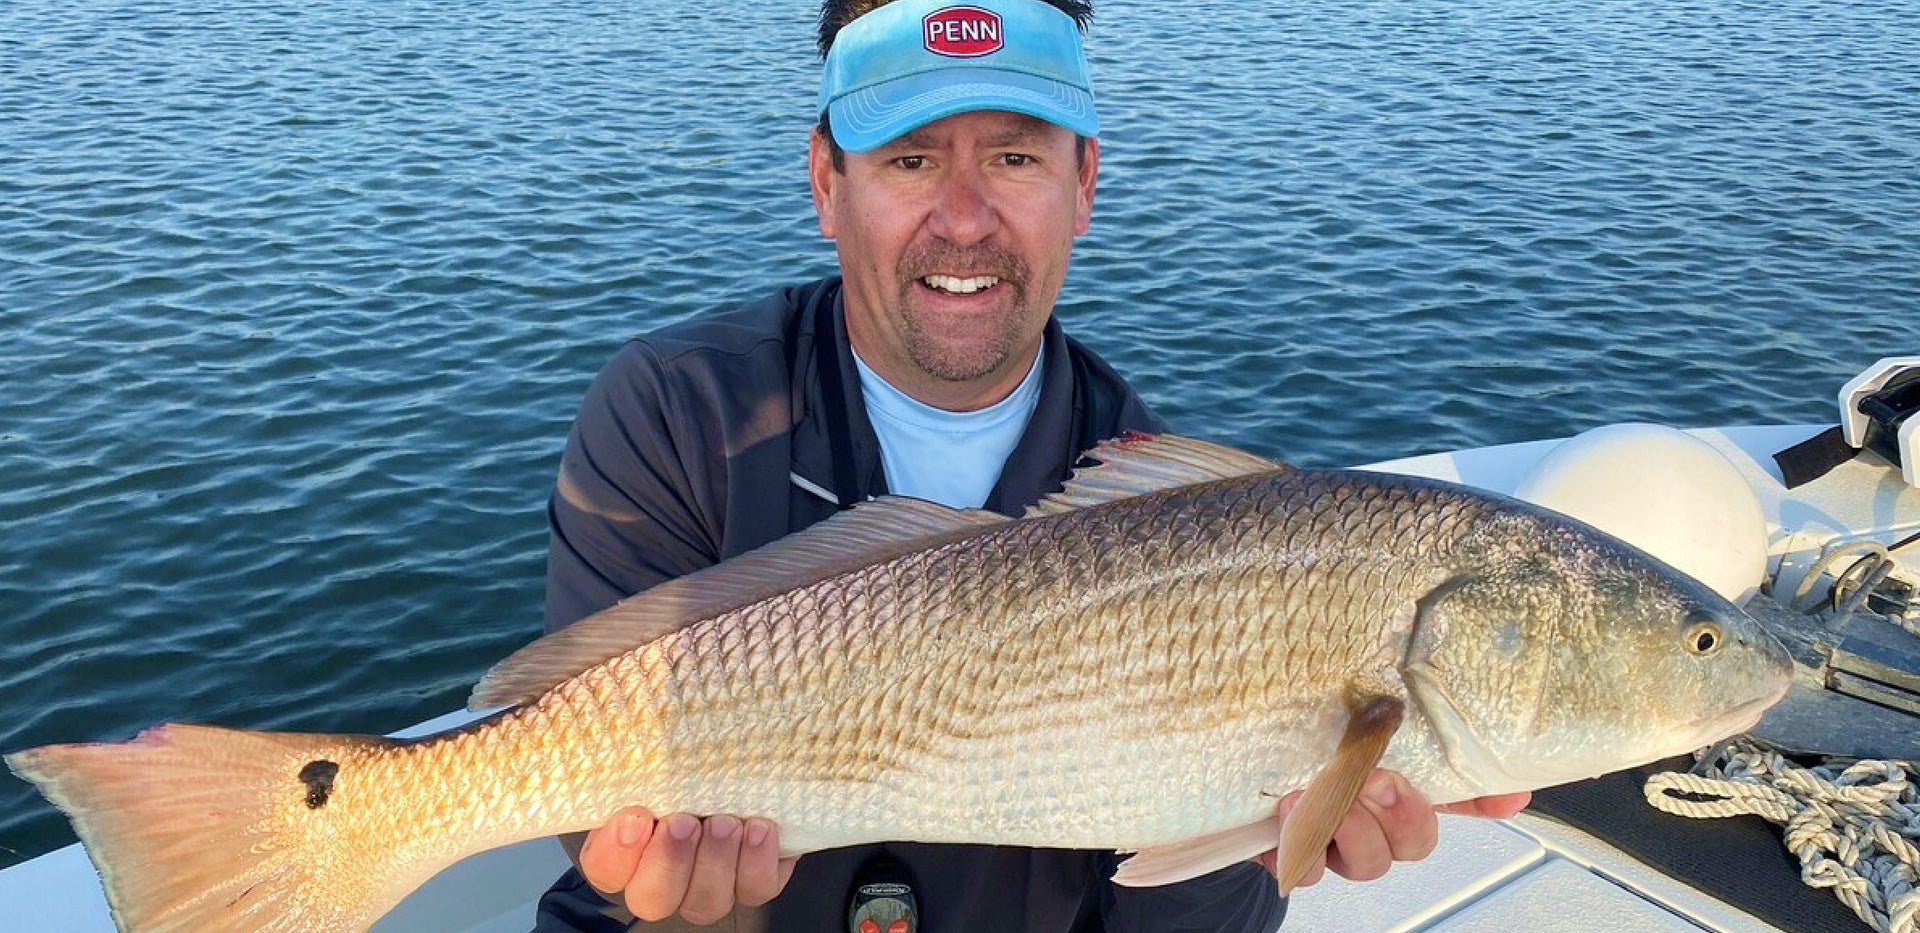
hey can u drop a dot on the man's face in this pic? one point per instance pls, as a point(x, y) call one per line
point(953, 242)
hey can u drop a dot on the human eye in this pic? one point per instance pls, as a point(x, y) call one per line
point(1016, 159)
point(910, 162)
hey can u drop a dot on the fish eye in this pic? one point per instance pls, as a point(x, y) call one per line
point(1704, 637)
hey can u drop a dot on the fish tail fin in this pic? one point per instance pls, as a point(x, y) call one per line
point(197, 829)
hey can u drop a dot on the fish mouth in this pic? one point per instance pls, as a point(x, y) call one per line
point(1710, 729)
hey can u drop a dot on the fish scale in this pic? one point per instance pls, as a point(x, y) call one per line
point(1147, 662)
point(1008, 630)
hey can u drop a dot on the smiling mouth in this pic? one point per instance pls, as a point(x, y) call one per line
point(955, 285)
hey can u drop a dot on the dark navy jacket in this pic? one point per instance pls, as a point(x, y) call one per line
point(709, 438)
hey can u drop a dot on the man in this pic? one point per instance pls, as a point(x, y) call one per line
point(954, 165)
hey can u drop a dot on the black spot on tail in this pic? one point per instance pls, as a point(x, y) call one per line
point(318, 776)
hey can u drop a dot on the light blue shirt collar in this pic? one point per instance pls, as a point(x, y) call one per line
point(950, 457)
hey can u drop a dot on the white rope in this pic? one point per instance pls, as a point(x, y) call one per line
point(1853, 825)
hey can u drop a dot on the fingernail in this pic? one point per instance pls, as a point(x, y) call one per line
point(681, 826)
point(722, 827)
point(756, 832)
point(630, 830)
point(1383, 791)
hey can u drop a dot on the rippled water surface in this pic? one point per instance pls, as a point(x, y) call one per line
point(298, 297)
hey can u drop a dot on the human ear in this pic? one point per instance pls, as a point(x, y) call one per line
point(822, 176)
point(1089, 170)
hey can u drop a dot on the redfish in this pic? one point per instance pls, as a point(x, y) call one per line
point(1146, 662)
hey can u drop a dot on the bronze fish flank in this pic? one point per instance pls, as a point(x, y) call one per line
point(1145, 662)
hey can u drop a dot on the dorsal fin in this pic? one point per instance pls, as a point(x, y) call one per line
point(1135, 464)
point(866, 534)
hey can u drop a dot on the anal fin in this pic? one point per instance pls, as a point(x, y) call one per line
point(1371, 723)
point(1195, 857)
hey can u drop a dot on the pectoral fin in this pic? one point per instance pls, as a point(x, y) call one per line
point(1195, 857)
point(1310, 827)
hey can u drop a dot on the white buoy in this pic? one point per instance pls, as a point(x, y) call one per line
point(1664, 491)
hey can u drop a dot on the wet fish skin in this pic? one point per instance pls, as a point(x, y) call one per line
point(1130, 675)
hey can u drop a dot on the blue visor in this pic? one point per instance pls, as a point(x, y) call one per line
point(911, 62)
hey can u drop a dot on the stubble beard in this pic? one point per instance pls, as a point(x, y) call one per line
point(942, 359)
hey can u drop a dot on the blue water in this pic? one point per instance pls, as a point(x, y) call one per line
point(298, 297)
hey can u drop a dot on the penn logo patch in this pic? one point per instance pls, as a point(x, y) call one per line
point(962, 31)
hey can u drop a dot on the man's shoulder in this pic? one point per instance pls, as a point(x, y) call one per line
point(741, 333)
point(722, 371)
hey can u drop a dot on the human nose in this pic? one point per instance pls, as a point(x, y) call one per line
point(963, 210)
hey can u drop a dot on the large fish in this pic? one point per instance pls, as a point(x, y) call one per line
point(1146, 662)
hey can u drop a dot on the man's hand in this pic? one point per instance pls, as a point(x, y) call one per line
point(684, 865)
point(1391, 822)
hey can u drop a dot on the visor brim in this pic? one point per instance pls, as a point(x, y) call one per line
point(872, 117)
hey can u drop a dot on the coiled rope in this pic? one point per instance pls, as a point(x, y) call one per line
point(1853, 825)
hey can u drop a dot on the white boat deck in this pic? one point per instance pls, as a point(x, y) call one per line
point(1527, 873)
